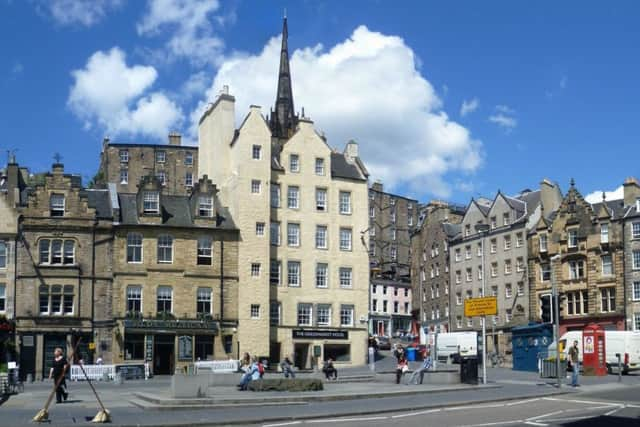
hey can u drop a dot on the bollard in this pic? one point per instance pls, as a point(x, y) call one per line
point(29, 378)
point(619, 367)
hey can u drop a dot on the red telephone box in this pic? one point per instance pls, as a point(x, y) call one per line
point(594, 361)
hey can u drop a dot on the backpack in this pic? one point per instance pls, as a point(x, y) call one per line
point(261, 368)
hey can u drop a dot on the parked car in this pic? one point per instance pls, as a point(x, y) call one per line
point(384, 343)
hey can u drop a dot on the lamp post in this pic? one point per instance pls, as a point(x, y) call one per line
point(483, 229)
point(556, 316)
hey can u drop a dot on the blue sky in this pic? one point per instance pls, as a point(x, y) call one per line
point(549, 88)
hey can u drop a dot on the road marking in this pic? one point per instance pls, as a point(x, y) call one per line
point(346, 420)
point(613, 411)
point(283, 424)
point(458, 408)
point(497, 423)
point(586, 402)
point(520, 402)
point(533, 423)
point(413, 414)
point(537, 417)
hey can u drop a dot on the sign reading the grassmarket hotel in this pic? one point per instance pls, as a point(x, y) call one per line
point(203, 325)
point(320, 335)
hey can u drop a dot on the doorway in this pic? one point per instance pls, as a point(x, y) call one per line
point(163, 354)
point(51, 342)
point(301, 355)
point(27, 357)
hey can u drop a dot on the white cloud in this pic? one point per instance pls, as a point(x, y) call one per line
point(114, 95)
point(367, 88)
point(83, 12)
point(505, 109)
point(469, 106)
point(189, 24)
point(596, 196)
point(503, 117)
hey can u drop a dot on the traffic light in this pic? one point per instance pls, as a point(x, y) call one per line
point(546, 308)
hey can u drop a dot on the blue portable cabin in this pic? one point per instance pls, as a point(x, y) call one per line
point(527, 343)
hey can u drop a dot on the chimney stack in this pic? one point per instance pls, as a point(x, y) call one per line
point(175, 138)
point(351, 150)
point(631, 189)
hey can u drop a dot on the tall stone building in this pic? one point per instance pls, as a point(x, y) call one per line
point(631, 238)
point(498, 251)
point(439, 224)
point(391, 219)
point(124, 165)
point(580, 247)
point(301, 208)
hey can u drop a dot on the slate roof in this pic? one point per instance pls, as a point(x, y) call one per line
point(451, 230)
point(616, 208)
point(340, 168)
point(530, 200)
point(99, 200)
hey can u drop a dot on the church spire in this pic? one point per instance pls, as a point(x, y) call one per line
point(283, 119)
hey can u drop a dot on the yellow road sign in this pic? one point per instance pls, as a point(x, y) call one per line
point(486, 306)
point(92, 346)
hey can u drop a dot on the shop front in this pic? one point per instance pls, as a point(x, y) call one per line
point(379, 325)
point(311, 347)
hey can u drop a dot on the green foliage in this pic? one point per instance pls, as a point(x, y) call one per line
point(286, 384)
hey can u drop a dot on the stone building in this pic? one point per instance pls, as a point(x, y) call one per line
point(391, 308)
point(63, 274)
point(499, 252)
point(301, 208)
point(175, 279)
point(124, 165)
point(631, 238)
point(580, 247)
point(439, 223)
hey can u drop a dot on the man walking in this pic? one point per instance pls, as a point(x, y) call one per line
point(57, 372)
point(574, 358)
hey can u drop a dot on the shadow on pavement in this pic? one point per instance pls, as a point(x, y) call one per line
point(608, 421)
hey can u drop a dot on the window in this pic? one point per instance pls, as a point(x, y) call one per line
point(458, 298)
point(3, 297)
point(204, 254)
point(508, 315)
point(345, 202)
point(151, 202)
point(323, 315)
point(124, 176)
point(188, 179)
point(259, 228)
point(322, 275)
point(410, 220)
point(406, 292)
point(636, 321)
point(188, 158)
point(607, 265)
point(346, 315)
point(293, 234)
point(467, 252)
point(508, 290)
point(467, 230)
point(494, 291)
point(607, 299)
point(294, 163)
point(293, 193)
point(275, 271)
point(635, 260)
point(519, 264)
point(305, 312)
point(255, 269)
point(393, 215)
point(256, 152)
point(385, 306)
point(275, 233)
point(437, 270)
point(255, 186)
point(493, 246)
point(394, 234)
point(469, 275)
point(494, 269)
point(479, 250)
point(494, 222)
point(346, 277)
point(507, 266)
point(577, 302)
point(576, 270)
point(384, 290)
point(479, 272)
point(133, 346)
point(572, 238)
point(134, 248)
point(374, 305)
point(255, 311)
point(3, 254)
point(545, 272)
point(396, 306)
point(124, 156)
point(372, 211)
point(636, 291)
point(507, 243)
point(543, 242)
point(293, 273)
point(275, 195)
point(275, 313)
point(161, 156)
point(321, 199)
point(394, 253)
point(321, 236)
point(319, 166)
point(345, 239)
point(505, 219)
point(56, 252)
point(56, 204)
point(164, 299)
point(203, 301)
point(458, 277)
point(519, 240)
point(165, 249)
point(604, 233)
point(470, 322)
point(635, 230)
point(162, 177)
point(457, 255)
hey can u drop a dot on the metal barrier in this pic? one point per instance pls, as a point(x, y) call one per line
point(549, 370)
point(217, 366)
point(102, 372)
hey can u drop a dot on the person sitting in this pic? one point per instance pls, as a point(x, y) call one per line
point(329, 370)
point(426, 365)
point(252, 373)
point(287, 368)
point(401, 368)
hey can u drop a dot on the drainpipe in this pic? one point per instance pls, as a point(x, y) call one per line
point(221, 281)
point(93, 277)
point(624, 275)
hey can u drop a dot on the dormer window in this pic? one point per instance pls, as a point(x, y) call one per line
point(604, 233)
point(56, 204)
point(124, 156)
point(467, 230)
point(161, 156)
point(543, 243)
point(494, 222)
point(294, 163)
point(319, 166)
point(205, 206)
point(151, 202)
point(572, 239)
point(505, 219)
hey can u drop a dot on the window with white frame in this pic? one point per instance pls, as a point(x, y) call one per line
point(165, 249)
point(576, 270)
point(124, 176)
point(508, 315)
point(275, 313)
point(323, 315)
point(437, 270)
point(542, 239)
point(345, 202)
point(162, 177)
point(255, 186)
point(188, 179)
point(346, 277)
point(635, 230)
point(385, 306)
point(188, 158)
point(494, 291)
point(3, 297)
point(636, 321)
point(494, 222)
point(470, 322)
point(134, 299)
point(124, 156)
point(294, 163)
point(507, 266)
point(346, 315)
point(321, 199)
point(635, 258)
point(3, 254)
point(203, 301)
point(458, 322)
point(56, 300)
point(255, 311)
point(256, 152)
point(205, 206)
point(604, 233)
point(274, 232)
point(322, 275)
point(545, 272)
point(259, 228)
point(161, 156)
point(204, 250)
point(164, 299)
point(134, 248)
point(479, 250)
point(494, 269)
point(508, 290)
point(577, 302)
point(458, 298)
point(275, 195)
point(506, 219)
point(293, 234)
point(151, 202)
point(507, 243)
point(636, 291)
point(520, 289)
point(319, 166)
point(305, 314)
point(394, 234)
point(519, 240)
point(457, 255)
point(345, 239)
point(458, 277)
point(374, 305)
point(469, 275)
point(572, 238)
point(410, 220)
point(372, 212)
point(467, 230)
point(467, 252)
point(493, 246)
point(479, 272)
point(275, 271)
point(293, 273)
point(255, 269)
point(394, 253)
point(607, 299)
point(607, 265)
point(56, 204)
point(56, 251)
point(321, 236)
point(293, 194)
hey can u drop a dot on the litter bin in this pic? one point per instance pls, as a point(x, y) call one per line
point(411, 354)
point(469, 370)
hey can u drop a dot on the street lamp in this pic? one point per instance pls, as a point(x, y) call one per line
point(483, 229)
point(556, 316)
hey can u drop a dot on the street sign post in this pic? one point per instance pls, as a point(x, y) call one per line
point(485, 306)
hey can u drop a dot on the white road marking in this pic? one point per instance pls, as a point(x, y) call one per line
point(537, 417)
point(497, 423)
point(520, 402)
point(283, 424)
point(613, 411)
point(458, 408)
point(586, 402)
point(413, 414)
point(346, 420)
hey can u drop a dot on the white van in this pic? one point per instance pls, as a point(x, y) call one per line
point(466, 343)
point(626, 343)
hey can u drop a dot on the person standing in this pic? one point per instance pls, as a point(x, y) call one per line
point(57, 372)
point(574, 358)
point(287, 368)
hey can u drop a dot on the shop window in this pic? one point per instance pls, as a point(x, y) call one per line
point(204, 347)
point(133, 346)
point(338, 352)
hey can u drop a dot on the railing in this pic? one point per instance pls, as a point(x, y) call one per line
point(101, 372)
point(217, 366)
